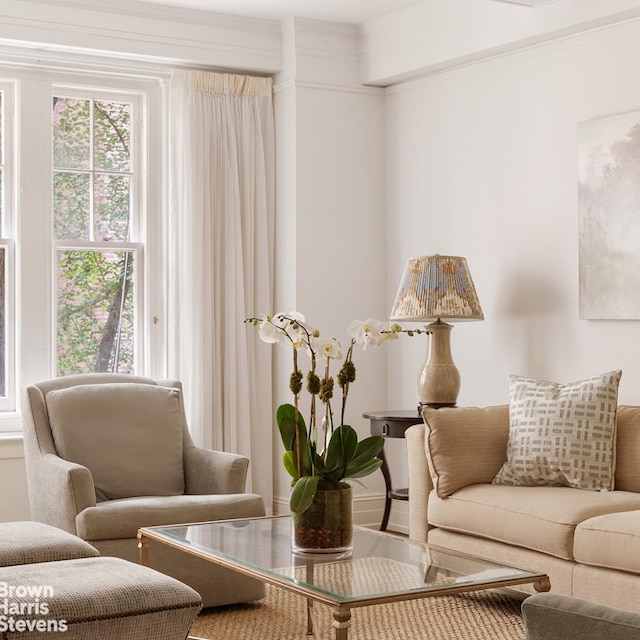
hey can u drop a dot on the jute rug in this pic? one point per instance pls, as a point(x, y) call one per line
point(281, 615)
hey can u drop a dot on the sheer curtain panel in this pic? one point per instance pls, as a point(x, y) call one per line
point(221, 239)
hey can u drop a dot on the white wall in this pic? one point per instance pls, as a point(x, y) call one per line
point(14, 498)
point(330, 259)
point(481, 162)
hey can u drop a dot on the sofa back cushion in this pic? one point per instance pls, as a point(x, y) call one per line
point(465, 446)
point(628, 449)
point(128, 435)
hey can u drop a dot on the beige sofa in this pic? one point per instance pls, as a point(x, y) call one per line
point(588, 542)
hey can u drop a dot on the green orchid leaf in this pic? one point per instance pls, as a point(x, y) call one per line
point(368, 449)
point(319, 465)
point(289, 462)
point(286, 421)
point(342, 447)
point(303, 493)
point(364, 469)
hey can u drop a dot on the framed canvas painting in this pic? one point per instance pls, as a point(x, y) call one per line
point(609, 217)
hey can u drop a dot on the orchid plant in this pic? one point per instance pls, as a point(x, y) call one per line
point(324, 452)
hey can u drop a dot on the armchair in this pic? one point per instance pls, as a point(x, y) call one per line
point(107, 454)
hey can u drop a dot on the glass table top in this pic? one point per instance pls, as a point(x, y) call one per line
point(380, 566)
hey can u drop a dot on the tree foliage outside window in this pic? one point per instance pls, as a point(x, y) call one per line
point(92, 185)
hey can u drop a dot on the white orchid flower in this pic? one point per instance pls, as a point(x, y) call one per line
point(368, 333)
point(328, 348)
point(282, 328)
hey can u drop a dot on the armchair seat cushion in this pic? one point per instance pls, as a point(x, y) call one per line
point(32, 542)
point(117, 519)
point(106, 428)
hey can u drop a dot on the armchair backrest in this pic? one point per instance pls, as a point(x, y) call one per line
point(129, 431)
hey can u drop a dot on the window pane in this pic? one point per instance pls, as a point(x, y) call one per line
point(71, 205)
point(112, 136)
point(71, 133)
point(95, 312)
point(111, 204)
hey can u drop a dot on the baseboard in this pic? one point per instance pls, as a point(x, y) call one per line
point(367, 511)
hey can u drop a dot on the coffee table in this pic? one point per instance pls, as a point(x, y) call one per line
point(381, 568)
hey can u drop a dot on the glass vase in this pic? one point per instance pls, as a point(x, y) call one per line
point(327, 525)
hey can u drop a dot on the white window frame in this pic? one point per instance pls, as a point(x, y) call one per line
point(9, 206)
point(31, 332)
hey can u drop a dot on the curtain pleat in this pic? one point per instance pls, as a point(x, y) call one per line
point(221, 240)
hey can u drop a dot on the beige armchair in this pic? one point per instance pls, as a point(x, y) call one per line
point(107, 454)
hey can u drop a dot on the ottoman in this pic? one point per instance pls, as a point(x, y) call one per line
point(105, 598)
point(55, 585)
point(29, 542)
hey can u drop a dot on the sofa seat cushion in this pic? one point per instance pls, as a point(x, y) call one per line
point(105, 598)
point(122, 518)
point(611, 541)
point(538, 518)
point(128, 435)
point(31, 542)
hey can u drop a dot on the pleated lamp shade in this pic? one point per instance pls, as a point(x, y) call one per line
point(435, 287)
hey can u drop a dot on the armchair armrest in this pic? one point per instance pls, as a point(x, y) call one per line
point(552, 616)
point(214, 472)
point(60, 491)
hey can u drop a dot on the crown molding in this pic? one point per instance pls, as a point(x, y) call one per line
point(137, 30)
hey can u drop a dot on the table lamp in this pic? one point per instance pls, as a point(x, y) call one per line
point(433, 289)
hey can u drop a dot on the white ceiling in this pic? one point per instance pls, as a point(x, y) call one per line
point(356, 11)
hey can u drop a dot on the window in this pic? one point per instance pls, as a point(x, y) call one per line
point(94, 214)
point(80, 236)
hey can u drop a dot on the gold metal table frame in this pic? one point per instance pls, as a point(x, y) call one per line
point(261, 548)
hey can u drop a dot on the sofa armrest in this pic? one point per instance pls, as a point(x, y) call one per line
point(551, 616)
point(61, 490)
point(420, 484)
point(214, 472)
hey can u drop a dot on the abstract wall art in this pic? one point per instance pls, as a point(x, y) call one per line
point(609, 217)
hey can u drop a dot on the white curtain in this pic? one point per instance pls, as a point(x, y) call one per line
point(221, 238)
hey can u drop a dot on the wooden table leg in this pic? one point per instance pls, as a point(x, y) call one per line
point(387, 495)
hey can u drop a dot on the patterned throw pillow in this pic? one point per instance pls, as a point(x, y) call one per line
point(562, 434)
